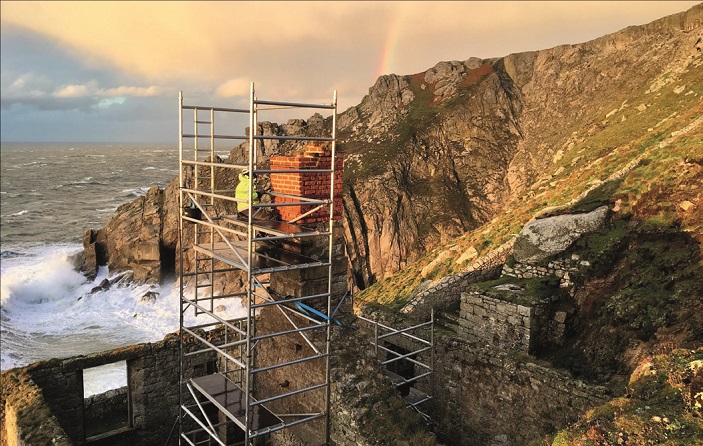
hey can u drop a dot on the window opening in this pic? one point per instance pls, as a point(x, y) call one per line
point(105, 399)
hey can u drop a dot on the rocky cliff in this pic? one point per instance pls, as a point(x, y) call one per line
point(433, 155)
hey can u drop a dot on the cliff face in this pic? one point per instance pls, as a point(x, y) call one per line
point(141, 237)
point(434, 154)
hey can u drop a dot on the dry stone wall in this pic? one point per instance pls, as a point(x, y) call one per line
point(562, 268)
point(25, 418)
point(446, 292)
point(152, 371)
point(498, 323)
point(512, 326)
point(488, 397)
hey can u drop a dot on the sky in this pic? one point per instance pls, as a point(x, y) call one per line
point(111, 71)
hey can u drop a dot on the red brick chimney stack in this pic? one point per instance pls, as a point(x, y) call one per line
point(310, 185)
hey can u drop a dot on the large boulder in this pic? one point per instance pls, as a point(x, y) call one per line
point(133, 239)
point(543, 238)
point(94, 252)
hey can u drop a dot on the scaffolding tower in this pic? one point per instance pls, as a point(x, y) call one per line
point(223, 402)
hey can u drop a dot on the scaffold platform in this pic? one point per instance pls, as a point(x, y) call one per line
point(229, 398)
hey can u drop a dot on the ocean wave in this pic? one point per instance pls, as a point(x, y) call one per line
point(136, 192)
point(50, 310)
point(149, 168)
point(112, 209)
point(30, 283)
point(10, 254)
point(87, 181)
point(30, 164)
point(17, 214)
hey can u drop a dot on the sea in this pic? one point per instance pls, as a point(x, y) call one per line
point(49, 194)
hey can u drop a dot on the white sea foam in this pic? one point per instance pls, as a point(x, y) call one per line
point(48, 309)
point(103, 378)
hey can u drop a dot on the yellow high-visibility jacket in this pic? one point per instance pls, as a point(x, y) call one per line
point(242, 192)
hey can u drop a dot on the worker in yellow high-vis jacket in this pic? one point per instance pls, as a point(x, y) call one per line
point(242, 192)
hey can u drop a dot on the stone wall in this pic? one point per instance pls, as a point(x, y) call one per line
point(314, 280)
point(498, 323)
point(512, 326)
point(25, 418)
point(152, 375)
point(485, 396)
point(43, 403)
point(106, 409)
point(561, 268)
point(491, 398)
point(292, 377)
point(366, 407)
point(447, 291)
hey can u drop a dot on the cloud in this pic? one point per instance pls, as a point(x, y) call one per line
point(142, 92)
point(72, 91)
point(107, 102)
point(234, 88)
point(91, 89)
point(290, 45)
point(37, 91)
point(91, 52)
point(25, 85)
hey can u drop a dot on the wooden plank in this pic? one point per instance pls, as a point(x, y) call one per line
point(276, 228)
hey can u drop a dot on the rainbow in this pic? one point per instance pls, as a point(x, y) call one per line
point(385, 63)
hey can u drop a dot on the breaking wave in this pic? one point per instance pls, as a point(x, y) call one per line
point(49, 310)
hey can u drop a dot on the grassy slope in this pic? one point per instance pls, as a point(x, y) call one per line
point(662, 406)
point(651, 192)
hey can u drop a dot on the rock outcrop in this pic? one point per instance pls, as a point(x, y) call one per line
point(540, 239)
point(432, 155)
point(435, 154)
point(141, 237)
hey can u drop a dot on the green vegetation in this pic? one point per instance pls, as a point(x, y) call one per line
point(533, 291)
point(662, 406)
point(648, 195)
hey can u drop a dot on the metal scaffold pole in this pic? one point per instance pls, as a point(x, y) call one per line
point(180, 261)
